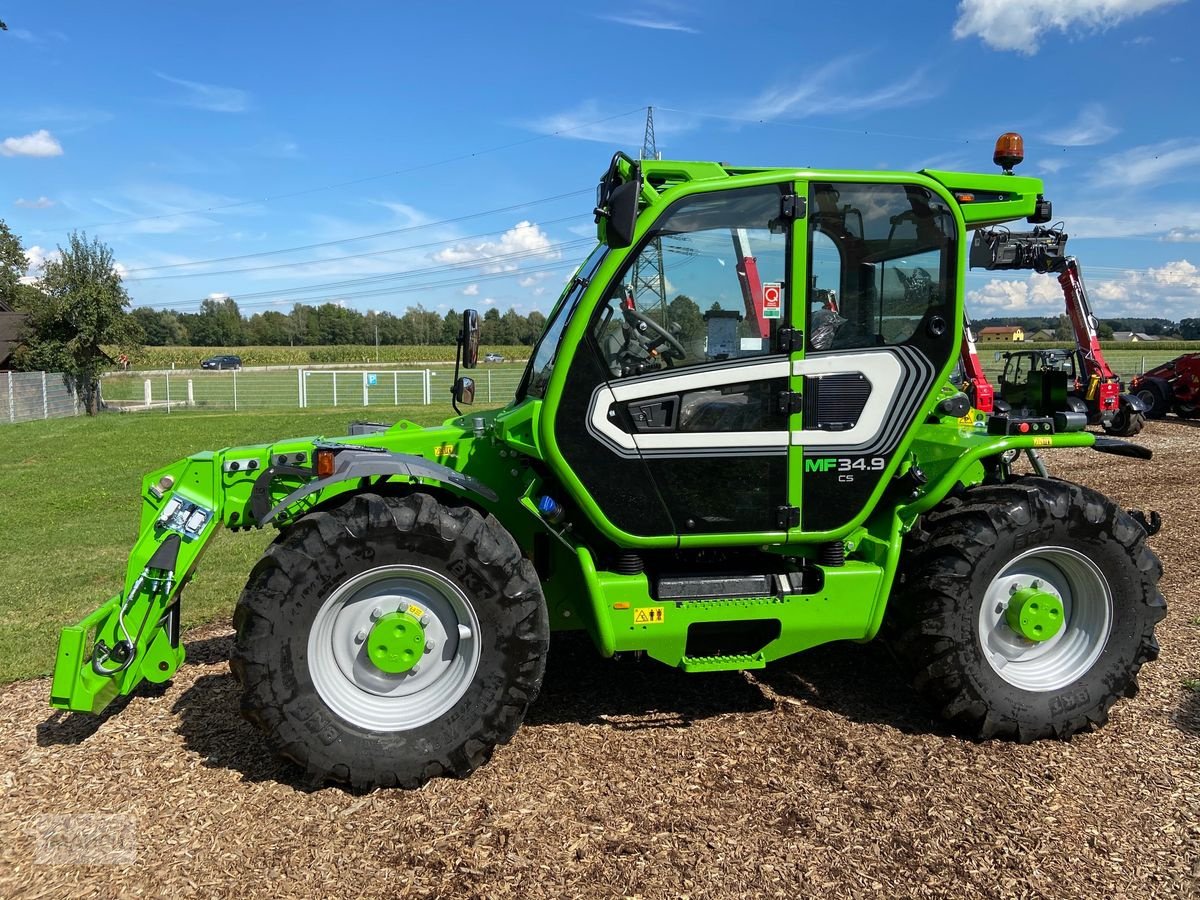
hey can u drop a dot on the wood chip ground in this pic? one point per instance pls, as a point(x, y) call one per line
point(821, 776)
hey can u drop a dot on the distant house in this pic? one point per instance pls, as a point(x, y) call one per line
point(1008, 333)
point(11, 324)
point(1134, 337)
point(1044, 334)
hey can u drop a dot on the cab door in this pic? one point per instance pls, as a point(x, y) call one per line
point(882, 276)
point(689, 342)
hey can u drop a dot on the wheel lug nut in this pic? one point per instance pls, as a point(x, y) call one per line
point(1013, 588)
point(361, 636)
point(425, 620)
point(376, 613)
point(429, 646)
point(415, 669)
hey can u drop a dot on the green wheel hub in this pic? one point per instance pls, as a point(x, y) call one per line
point(1034, 614)
point(396, 643)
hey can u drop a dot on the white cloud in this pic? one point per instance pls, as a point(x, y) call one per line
point(488, 301)
point(1034, 294)
point(39, 203)
point(1010, 25)
point(1182, 236)
point(825, 91)
point(471, 290)
point(523, 241)
point(1152, 164)
point(1173, 291)
point(38, 257)
point(1090, 127)
point(648, 21)
point(121, 269)
point(218, 295)
point(211, 97)
point(1051, 165)
point(40, 143)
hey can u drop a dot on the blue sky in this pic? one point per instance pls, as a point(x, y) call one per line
point(446, 154)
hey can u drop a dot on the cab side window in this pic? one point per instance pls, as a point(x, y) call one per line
point(704, 287)
point(881, 263)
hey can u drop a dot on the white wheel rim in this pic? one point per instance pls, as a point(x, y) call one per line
point(1087, 619)
point(364, 695)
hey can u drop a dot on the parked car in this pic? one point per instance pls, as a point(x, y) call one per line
point(493, 357)
point(222, 362)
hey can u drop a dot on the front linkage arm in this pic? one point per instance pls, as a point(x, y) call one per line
point(135, 634)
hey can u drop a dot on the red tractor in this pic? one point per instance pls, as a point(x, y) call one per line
point(1173, 386)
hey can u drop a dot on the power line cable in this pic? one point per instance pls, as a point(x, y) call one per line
point(405, 171)
point(483, 261)
point(328, 259)
point(363, 237)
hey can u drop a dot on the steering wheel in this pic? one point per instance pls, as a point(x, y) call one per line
point(641, 323)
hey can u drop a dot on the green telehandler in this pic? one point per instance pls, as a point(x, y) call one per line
point(776, 458)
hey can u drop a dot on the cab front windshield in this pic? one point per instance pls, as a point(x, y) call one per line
point(541, 363)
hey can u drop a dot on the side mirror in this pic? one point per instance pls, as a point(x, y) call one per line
point(622, 214)
point(469, 339)
point(617, 202)
point(464, 390)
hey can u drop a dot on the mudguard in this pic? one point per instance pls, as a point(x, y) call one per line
point(1134, 402)
point(363, 462)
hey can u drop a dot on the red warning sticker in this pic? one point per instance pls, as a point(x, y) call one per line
point(772, 299)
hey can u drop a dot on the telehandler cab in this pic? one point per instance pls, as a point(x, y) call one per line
point(715, 482)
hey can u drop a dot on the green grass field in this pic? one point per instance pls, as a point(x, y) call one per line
point(71, 506)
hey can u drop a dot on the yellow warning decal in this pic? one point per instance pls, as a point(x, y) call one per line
point(415, 611)
point(648, 615)
point(1043, 442)
point(444, 450)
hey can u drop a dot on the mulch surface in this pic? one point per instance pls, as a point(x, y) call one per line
point(819, 777)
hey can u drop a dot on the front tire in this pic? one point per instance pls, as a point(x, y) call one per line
point(973, 555)
point(1126, 422)
point(390, 640)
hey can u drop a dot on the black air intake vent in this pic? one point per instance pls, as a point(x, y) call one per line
point(835, 402)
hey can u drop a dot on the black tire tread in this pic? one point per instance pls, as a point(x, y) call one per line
point(942, 551)
point(312, 547)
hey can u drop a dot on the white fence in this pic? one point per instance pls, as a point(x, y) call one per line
point(319, 387)
point(25, 396)
point(291, 388)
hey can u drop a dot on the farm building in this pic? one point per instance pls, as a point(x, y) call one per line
point(1009, 333)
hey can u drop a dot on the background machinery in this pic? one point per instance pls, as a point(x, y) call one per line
point(1080, 380)
point(1172, 387)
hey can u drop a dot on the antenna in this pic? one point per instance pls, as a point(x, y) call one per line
point(648, 269)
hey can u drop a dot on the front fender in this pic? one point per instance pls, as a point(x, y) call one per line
point(353, 464)
point(1134, 402)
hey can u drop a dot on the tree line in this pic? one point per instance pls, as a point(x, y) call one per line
point(220, 323)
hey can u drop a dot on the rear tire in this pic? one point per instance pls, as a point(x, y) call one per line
point(961, 565)
point(1156, 394)
point(1187, 410)
point(477, 628)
